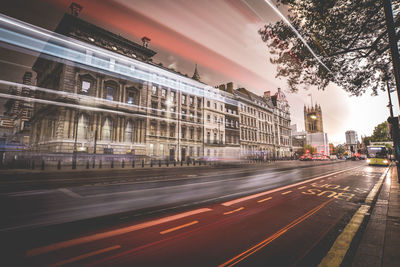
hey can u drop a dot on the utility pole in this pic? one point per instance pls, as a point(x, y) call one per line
point(394, 50)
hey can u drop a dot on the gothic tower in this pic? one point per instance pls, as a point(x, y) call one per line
point(313, 119)
point(196, 74)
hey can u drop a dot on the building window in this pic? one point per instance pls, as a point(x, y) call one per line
point(221, 138)
point(222, 108)
point(151, 146)
point(215, 119)
point(191, 151)
point(154, 90)
point(129, 132)
point(198, 117)
point(191, 116)
point(208, 137)
point(208, 104)
point(153, 129)
point(131, 98)
point(191, 133)
point(208, 118)
point(198, 151)
point(85, 87)
point(173, 94)
point(106, 132)
point(163, 92)
point(215, 105)
point(199, 134)
point(163, 130)
point(199, 102)
point(183, 99)
point(172, 131)
point(183, 114)
point(82, 127)
point(163, 109)
point(154, 107)
point(191, 101)
point(215, 138)
point(110, 93)
point(183, 132)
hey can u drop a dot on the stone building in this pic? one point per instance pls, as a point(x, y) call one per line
point(175, 123)
point(256, 125)
point(101, 112)
point(214, 123)
point(232, 125)
point(313, 119)
point(283, 135)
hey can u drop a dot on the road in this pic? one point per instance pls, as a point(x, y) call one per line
point(250, 217)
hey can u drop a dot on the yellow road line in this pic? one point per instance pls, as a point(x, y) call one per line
point(271, 238)
point(287, 192)
point(265, 199)
point(178, 227)
point(238, 200)
point(335, 255)
point(301, 187)
point(120, 231)
point(232, 211)
point(84, 256)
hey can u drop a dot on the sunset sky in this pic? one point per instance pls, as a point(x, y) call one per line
point(221, 37)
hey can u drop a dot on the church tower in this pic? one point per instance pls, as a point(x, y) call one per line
point(313, 119)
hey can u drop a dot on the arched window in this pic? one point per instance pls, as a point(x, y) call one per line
point(82, 126)
point(107, 130)
point(129, 132)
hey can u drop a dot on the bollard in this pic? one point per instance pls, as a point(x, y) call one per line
point(194, 162)
point(94, 164)
point(87, 164)
point(188, 162)
point(100, 164)
point(159, 163)
point(174, 163)
point(181, 162)
point(151, 163)
point(133, 163)
point(142, 163)
point(199, 162)
point(42, 165)
point(59, 165)
point(167, 163)
point(112, 163)
point(123, 163)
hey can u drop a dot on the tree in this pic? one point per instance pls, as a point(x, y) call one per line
point(381, 133)
point(340, 150)
point(349, 37)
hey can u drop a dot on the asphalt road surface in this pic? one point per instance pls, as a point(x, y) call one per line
point(249, 217)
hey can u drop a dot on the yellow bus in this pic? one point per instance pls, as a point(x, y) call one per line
point(377, 155)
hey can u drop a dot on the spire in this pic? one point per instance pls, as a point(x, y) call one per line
point(196, 75)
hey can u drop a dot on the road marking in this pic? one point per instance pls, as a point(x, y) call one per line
point(232, 211)
point(70, 193)
point(238, 200)
point(301, 187)
point(271, 238)
point(87, 239)
point(335, 255)
point(178, 227)
point(84, 256)
point(265, 199)
point(287, 192)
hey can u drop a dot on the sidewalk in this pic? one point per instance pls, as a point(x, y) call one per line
point(380, 240)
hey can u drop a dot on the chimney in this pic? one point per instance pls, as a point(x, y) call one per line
point(221, 87)
point(145, 41)
point(229, 87)
point(267, 94)
point(75, 9)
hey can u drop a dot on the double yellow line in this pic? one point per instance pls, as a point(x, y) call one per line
point(271, 238)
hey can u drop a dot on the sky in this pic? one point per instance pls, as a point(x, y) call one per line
point(222, 38)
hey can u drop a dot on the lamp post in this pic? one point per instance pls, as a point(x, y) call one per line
point(74, 153)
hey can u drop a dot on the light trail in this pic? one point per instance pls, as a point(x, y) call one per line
point(276, 10)
point(24, 35)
